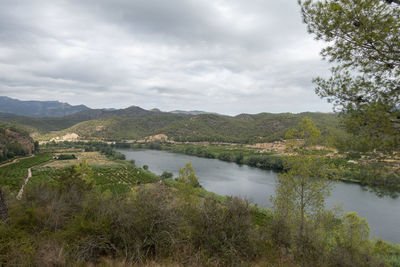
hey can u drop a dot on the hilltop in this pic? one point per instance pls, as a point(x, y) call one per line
point(263, 127)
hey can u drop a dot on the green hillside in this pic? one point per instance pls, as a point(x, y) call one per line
point(120, 128)
point(14, 142)
point(243, 128)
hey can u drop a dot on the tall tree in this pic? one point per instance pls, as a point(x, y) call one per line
point(301, 190)
point(300, 194)
point(363, 40)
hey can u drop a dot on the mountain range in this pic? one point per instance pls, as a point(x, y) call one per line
point(38, 109)
point(136, 123)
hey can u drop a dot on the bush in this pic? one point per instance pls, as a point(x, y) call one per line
point(225, 233)
point(166, 175)
point(66, 157)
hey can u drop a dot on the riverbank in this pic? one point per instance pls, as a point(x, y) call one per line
point(116, 213)
point(378, 176)
point(373, 171)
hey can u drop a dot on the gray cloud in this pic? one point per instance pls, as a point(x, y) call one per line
point(228, 56)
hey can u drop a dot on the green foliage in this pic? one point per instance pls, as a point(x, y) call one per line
point(78, 178)
point(166, 175)
point(187, 176)
point(353, 246)
point(238, 154)
point(72, 217)
point(66, 157)
point(11, 142)
point(137, 227)
point(306, 130)
point(225, 233)
point(12, 176)
point(267, 162)
point(363, 40)
point(245, 128)
point(186, 183)
point(299, 197)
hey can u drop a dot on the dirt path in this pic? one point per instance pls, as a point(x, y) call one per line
point(16, 160)
point(19, 196)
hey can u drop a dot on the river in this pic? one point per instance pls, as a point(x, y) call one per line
point(256, 185)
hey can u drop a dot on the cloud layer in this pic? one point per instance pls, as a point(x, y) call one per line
point(227, 56)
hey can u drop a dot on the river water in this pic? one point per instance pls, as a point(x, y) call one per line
point(256, 185)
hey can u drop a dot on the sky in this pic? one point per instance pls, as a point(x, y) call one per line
point(225, 56)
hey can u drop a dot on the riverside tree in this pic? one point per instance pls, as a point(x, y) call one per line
point(187, 181)
point(300, 192)
point(363, 42)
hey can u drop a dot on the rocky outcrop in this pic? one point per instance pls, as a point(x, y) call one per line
point(154, 138)
point(14, 142)
point(70, 137)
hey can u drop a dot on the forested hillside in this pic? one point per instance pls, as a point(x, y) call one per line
point(14, 142)
point(243, 128)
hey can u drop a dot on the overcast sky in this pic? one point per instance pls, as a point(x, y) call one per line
point(226, 56)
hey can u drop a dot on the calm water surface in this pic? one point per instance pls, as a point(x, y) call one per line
point(256, 185)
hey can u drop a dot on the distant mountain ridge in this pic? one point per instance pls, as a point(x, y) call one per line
point(94, 114)
point(38, 109)
point(135, 123)
point(191, 112)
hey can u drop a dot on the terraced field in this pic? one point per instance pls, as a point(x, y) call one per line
point(12, 176)
point(119, 179)
point(92, 158)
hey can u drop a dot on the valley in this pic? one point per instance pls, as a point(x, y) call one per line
point(187, 161)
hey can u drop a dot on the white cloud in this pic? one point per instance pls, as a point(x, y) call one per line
point(223, 56)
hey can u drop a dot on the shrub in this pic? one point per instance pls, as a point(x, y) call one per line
point(166, 175)
point(66, 157)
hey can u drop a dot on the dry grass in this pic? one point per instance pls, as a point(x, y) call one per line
point(92, 158)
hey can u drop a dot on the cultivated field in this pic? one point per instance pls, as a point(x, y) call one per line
point(92, 158)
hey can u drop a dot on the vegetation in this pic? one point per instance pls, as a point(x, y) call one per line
point(237, 154)
point(119, 214)
point(66, 157)
point(11, 143)
point(71, 217)
point(243, 128)
point(363, 40)
point(13, 176)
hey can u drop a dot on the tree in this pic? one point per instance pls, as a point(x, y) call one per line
point(300, 195)
point(301, 189)
point(363, 39)
point(352, 244)
point(307, 131)
point(187, 182)
point(77, 180)
point(187, 176)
